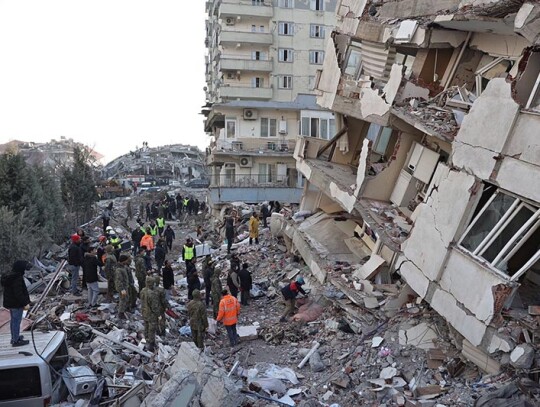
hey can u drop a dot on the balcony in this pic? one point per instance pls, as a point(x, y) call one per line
point(232, 38)
point(248, 9)
point(245, 92)
point(254, 188)
point(237, 64)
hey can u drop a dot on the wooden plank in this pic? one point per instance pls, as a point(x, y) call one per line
point(333, 141)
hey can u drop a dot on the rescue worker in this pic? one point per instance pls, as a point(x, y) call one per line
point(160, 221)
point(233, 282)
point(150, 307)
point(198, 320)
point(121, 282)
point(159, 254)
point(245, 284)
point(115, 242)
point(140, 269)
point(193, 281)
point(254, 228)
point(147, 240)
point(290, 291)
point(153, 229)
point(167, 274)
point(216, 290)
point(163, 305)
point(229, 232)
point(110, 271)
point(189, 253)
point(229, 309)
point(136, 236)
point(265, 213)
point(208, 271)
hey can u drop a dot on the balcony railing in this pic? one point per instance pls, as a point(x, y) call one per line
point(266, 145)
point(244, 64)
point(239, 37)
point(253, 181)
point(245, 92)
point(246, 8)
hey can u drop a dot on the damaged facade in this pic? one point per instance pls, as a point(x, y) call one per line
point(434, 168)
point(260, 71)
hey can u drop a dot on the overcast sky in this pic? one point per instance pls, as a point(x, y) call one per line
point(109, 73)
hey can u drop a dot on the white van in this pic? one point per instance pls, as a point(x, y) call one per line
point(26, 380)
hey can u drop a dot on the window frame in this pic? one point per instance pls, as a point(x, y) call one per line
point(315, 56)
point(285, 51)
point(329, 126)
point(316, 5)
point(313, 31)
point(286, 3)
point(257, 82)
point(285, 82)
point(234, 123)
point(286, 24)
point(269, 128)
point(513, 244)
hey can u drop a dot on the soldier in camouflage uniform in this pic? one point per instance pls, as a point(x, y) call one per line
point(133, 294)
point(198, 321)
point(121, 282)
point(110, 268)
point(144, 305)
point(216, 291)
point(140, 268)
point(150, 303)
point(163, 305)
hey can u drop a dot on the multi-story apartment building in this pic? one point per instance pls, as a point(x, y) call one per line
point(260, 72)
point(435, 165)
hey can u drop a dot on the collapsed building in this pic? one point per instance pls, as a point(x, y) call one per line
point(169, 162)
point(433, 172)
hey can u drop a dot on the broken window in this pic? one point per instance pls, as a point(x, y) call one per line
point(406, 60)
point(380, 137)
point(491, 67)
point(505, 233)
point(230, 127)
point(353, 67)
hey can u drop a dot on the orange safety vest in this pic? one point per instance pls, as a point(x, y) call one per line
point(147, 241)
point(229, 308)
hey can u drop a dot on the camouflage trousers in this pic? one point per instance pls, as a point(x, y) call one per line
point(150, 329)
point(133, 295)
point(110, 286)
point(198, 337)
point(161, 325)
point(123, 302)
point(216, 298)
point(142, 282)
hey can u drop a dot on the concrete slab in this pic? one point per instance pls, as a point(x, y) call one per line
point(247, 333)
point(420, 336)
point(368, 270)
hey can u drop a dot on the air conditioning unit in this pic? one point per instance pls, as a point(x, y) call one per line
point(246, 162)
point(230, 21)
point(250, 114)
point(283, 127)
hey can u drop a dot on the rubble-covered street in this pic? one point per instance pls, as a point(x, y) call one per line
point(352, 341)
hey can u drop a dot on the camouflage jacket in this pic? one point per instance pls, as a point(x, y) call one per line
point(197, 315)
point(121, 278)
point(150, 303)
point(140, 267)
point(110, 265)
point(163, 304)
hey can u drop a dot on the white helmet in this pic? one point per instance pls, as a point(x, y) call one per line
point(109, 229)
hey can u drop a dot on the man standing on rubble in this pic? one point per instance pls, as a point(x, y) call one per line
point(16, 299)
point(122, 284)
point(110, 271)
point(229, 309)
point(198, 320)
point(208, 271)
point(189, 252)
point(169, 236)
point(233, 282)
point(290, 291)
point(90, 272)
point(168, 279)
point(150, 312)
point(106, 216)
point(160, 225)
point(265, 213)
point(75, 259)
point(163, 305)
point(254, 228)
point(229, 232)
point(216, 290)
point(193, 281)
point(136, 237)
point(245, 284)
point(159, 254)
point(140, 269)
point(147, 240)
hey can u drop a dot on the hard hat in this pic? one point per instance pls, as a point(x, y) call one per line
point(75, 238)
point(300, 280)
point(102, 238)
point(108, 228)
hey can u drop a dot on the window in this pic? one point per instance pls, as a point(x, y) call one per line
point(230, 127)
point(20, 383)
point(317, 5)
point(316, 57)
point(407, 62)
point(268, 127)
point(267, 172)
point(285, 28)
point(505, 232)
point(257, 2)
point(258, 56)
point(285, 55)
point(316, 31)
point(380, 136)
point(285, 82)
point(261, 28)
point(286, 3)
point(318, 127)
point(257, 82)
point(354, 62)
point(253, 28)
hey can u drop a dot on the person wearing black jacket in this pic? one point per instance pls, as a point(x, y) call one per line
point(159, 254)
point(168, 278)
point(136, 237)
point(16, 299)
point(75, 259)
point(169, 236)
point(245, 284)
point(208, 272)
point(90, 273)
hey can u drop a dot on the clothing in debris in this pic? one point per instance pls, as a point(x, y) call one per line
point(198, 320)
point(229, 309)
point(16, 298)
point(245, 284)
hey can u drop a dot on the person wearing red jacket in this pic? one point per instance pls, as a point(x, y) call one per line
point(229, 309)
point(289, 292)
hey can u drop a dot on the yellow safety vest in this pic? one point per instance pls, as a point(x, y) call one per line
point(160, 222)
point(153, 230)
point(186, 202)
point(188, 252)
point(115, 241)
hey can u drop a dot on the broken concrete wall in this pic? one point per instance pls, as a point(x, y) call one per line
point(485, 130)
point(329, 77)
point(499, 45)
point(416, 8)
point(527, 21)
point(349, 12)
